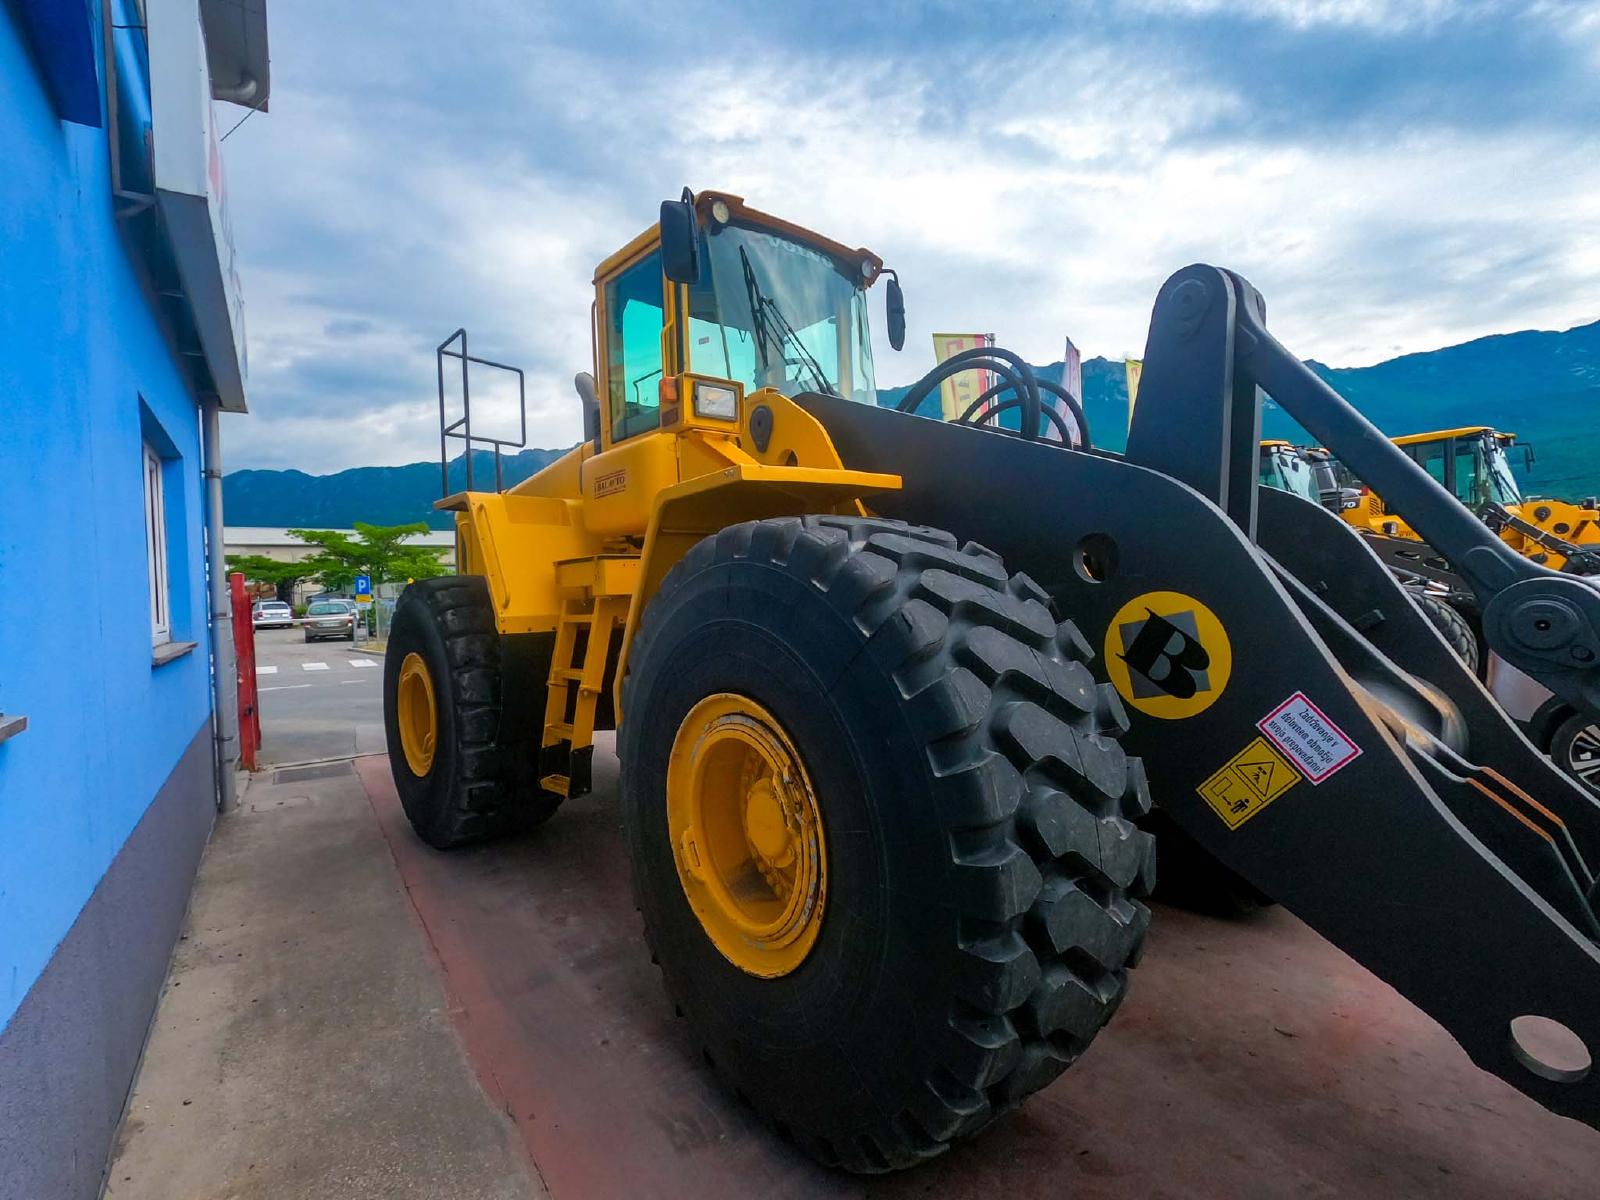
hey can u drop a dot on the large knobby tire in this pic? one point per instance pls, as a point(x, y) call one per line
point(473, 789)
point(977, 814)
point(1452, 626)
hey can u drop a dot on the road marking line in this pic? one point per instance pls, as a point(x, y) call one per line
point(313, 666)
point(362, 662)
point(352, 681)
point(266, 670)
point(284, 687)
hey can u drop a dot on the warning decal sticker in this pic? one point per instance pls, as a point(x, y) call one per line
point(1298, 728)
point(1248, 782)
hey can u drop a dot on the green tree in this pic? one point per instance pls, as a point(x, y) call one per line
point(258, 568)
point(376, 550)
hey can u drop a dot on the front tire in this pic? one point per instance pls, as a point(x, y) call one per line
point(442, 710)
point(976, 812)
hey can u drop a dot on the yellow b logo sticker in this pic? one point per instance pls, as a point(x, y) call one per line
point(1168, 655)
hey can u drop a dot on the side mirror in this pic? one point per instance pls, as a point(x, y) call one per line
point(1527, 457)
point(895, 308)
point(680, 242)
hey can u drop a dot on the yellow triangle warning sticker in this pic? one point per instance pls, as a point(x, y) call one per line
point(1258, 774)
point(1248, 782)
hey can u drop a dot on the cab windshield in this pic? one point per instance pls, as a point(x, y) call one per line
point(1285, 470)
point(1473, 466)
point(771, 312)
point(1500, 484)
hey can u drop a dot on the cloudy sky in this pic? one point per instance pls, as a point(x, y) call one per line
point(1393, 175)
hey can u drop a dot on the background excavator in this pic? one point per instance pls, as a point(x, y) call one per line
point(887, 738)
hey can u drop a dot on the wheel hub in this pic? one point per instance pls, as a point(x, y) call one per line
point(416, 714)
point(747, 835)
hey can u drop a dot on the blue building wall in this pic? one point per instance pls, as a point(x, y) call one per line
point(87, 375)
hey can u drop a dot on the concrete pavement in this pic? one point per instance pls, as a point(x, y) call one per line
point(319, 700)
point(353, 1014)
point(1252, 1059)
point(303, 1049)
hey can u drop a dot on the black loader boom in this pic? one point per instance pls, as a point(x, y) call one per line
point(1296, 713)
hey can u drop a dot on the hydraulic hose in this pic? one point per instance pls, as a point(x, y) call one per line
point(1055, 389)
point(1015, 402)
point(1016, 374)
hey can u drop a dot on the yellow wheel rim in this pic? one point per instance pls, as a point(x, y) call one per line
point(416, 714)
point(747, 835)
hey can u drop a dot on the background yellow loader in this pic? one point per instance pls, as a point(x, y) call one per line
point(1473, 463)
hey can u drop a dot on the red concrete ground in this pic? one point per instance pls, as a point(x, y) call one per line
point(1252, 1059)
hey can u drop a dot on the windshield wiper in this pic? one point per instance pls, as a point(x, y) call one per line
point(764, 311)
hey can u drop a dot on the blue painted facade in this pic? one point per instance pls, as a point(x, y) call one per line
point(88, 375)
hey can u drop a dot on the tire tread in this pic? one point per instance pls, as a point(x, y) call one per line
point(1036, 797)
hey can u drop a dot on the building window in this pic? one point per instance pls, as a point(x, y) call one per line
point(155, 544)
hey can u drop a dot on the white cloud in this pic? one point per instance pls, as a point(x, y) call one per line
point(1383, 15)
point(1033, 205)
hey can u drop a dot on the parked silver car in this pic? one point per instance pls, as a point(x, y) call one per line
point(271, 614)
point(330, 619)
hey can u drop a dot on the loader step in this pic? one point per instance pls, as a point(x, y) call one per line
point(577, 676)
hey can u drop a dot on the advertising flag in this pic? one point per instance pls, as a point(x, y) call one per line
point(1072, 373)
point(1134, 367)
point(957, 393)
point(1072, 384)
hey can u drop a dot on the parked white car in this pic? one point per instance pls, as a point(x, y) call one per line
point(271, 614)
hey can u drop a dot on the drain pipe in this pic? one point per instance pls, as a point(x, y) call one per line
point(224, 674)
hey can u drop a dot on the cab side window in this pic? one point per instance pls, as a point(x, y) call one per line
point(1433, 457)
point(1466, 452)
point(634, 319)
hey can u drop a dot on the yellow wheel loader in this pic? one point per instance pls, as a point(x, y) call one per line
point(892, 693)
point(1473, 463)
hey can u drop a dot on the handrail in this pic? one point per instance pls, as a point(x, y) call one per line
point(464, 422)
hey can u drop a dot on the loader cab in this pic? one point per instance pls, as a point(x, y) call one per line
point(750, 299)
point(1470, 462)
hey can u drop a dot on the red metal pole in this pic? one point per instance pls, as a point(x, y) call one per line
point(244, 649)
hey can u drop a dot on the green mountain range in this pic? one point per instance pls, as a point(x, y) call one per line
point(1543, 386)
point(377, 495)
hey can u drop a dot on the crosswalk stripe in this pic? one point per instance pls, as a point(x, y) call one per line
point(362, 662)
point(313, 666)
point(266, 670)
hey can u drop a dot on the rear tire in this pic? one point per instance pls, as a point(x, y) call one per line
point(978, 817)
point(469, 793)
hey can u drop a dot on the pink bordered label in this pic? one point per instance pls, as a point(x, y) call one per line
point(1311, 741)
